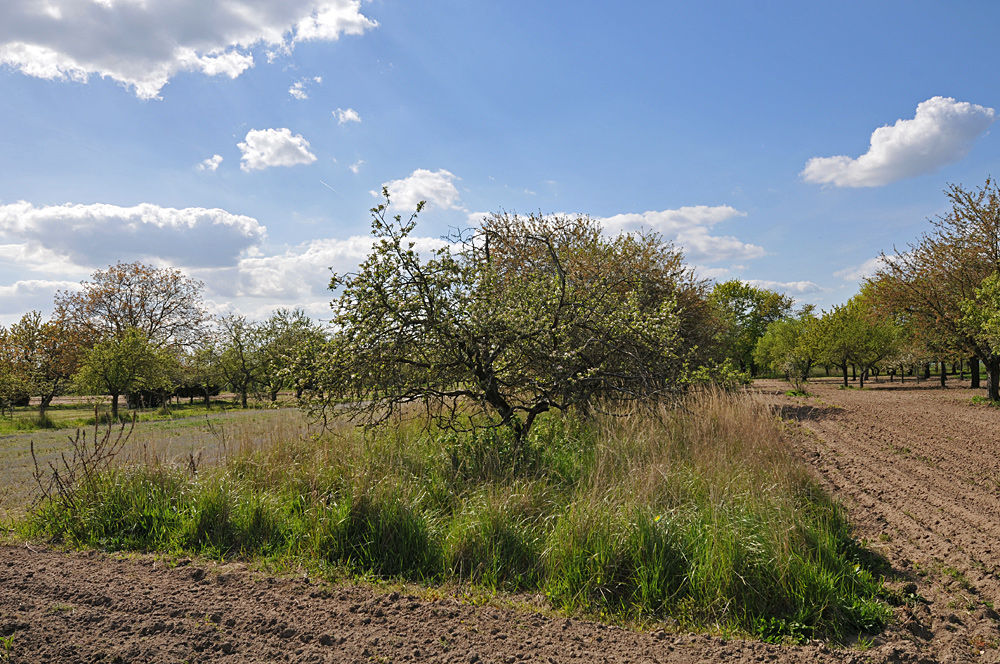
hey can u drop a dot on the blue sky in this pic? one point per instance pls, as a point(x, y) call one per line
point(783, 143)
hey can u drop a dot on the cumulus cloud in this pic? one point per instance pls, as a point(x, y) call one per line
point(690, 228)
point(143, 44)
point(347, 115)
point(356, 166)
point(303, 272)
point(941, 133)
point(793, 287)
point(435, 187)
point(210, 164)
point(29, 295)
point(100, 234)
point(273, 147)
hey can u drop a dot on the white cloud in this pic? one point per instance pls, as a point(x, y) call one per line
point(298, 89)
point(144, 43)
point(347, 115)
point(714, 273)
point(356, 166)
point(689, 228)
point(303, 272)
point(437, 188)
point(863, 271)
point(29, 295)
point(794, 287)
point(72, 236)
point(941, 133)
point(274, 147)
point(210, 164)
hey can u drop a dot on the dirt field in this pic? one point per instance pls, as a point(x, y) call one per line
point(918, 467)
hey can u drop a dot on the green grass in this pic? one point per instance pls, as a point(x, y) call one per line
point(701, 514)
point(73, 416)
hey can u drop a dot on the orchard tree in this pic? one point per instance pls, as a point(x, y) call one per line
point(45, 355)
point(745, 311)
point(13, 386)
point(856, 334)
point(124, 363)
point(934, 280)
point(790, 347)
point(161, 303)
point(520, 316)
point(200, 371)
point(284, 336)
point(239, 355)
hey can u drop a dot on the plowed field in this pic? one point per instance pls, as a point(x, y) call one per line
point(918, 467)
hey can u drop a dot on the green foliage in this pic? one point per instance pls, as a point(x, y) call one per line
point(523, 316)
point(981, 313)
point(122, 364)
point(936, 284)
point(745, 312)
point(790, 347)
point(856, 333)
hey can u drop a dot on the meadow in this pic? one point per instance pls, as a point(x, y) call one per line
point(700, 515)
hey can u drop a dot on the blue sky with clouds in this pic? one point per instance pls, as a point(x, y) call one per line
point(783, 143)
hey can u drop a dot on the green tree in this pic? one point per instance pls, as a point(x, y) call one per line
point(285, 335)
point(929, 281)
point(124, 363)
point(856, 333)
point(239, 355)
point(200, 372)
point(13, 386)
point(45, 355)
point(522, 316)
point(790, 347)
point(745, 312)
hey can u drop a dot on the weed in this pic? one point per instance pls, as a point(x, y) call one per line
point(6, 646)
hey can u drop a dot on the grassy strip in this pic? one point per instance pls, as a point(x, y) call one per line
point(701, 514)
point(74, 416)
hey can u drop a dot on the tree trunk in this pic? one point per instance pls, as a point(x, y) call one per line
point(844, 367)
point(43, 403)
point(861, 385)
point(974, 370)
point(854, 372)
point(114, 406)
point(993, 378)
point(927, 370)
point(944, 373)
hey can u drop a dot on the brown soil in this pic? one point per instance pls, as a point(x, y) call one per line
point(917, 467)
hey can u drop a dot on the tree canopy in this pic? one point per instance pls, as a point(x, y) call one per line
point(161, 303)
point(520, 316)
point(929, 282)
point(745, 311)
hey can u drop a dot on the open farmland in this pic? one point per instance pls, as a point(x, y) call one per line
point(916, 466)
